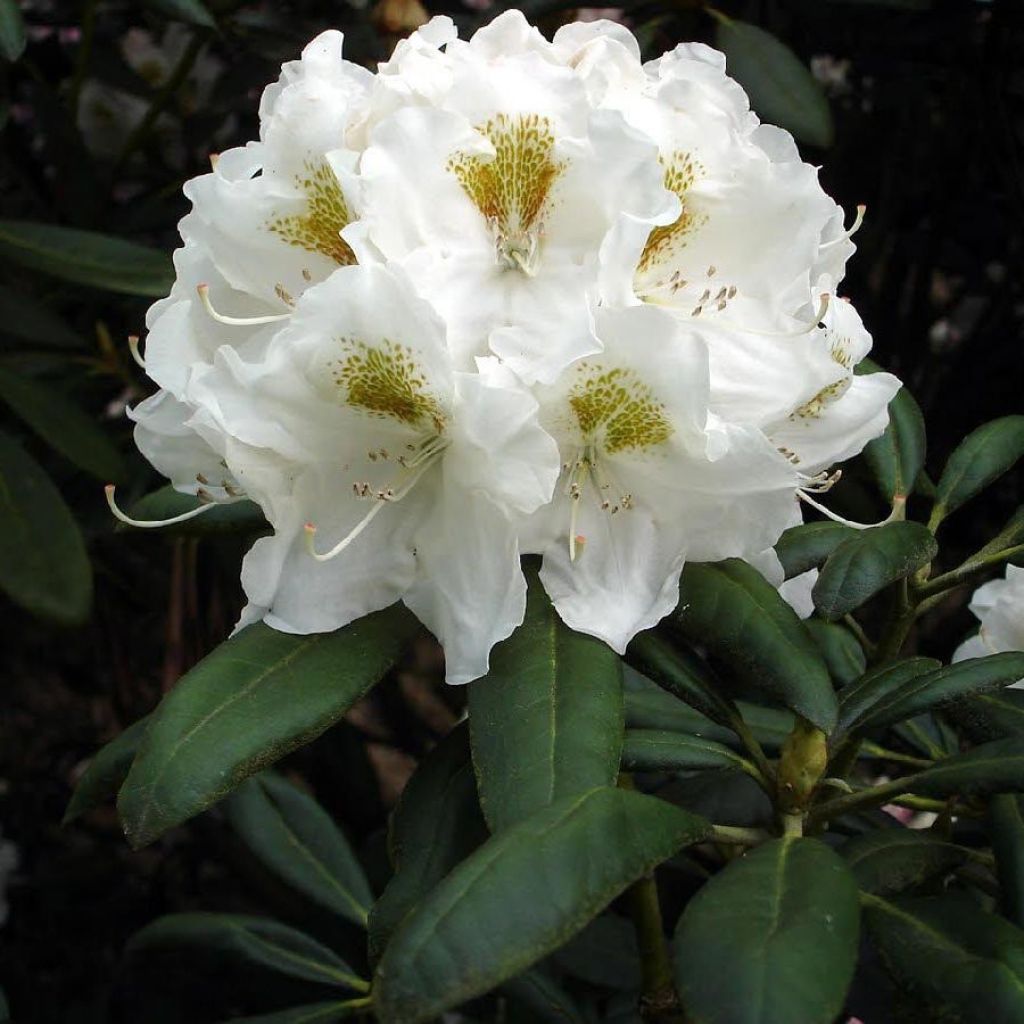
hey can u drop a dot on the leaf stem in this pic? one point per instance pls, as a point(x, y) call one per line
point(973, 566)
point(734, 835)
point(756, 751)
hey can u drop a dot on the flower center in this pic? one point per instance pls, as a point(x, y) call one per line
point(513, 188)
point(319, 228)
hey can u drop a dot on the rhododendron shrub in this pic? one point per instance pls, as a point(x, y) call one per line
point(543, 350)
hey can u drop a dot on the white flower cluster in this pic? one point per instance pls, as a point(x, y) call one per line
point(999, 606)
point(506, 296)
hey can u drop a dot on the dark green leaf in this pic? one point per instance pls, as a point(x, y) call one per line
point(897, 457)
point(107, 770)
point(772, 939)
point(1006, 817)
point(44, 565)
point(966, 962)
point(991, 715)
point(521, 895)
point(894, 859)
point(239, 938)
point(23, 316)
point(313, 1013)
point(254, 699)
point(546, 721)
point(945, 686)
point(650, 750)
point(733, 611)
point(841, 650)
point(87, 257)
point(12, 30)
point(63, 425)
point(165, 503)
point(682, 674)
point(191, 11)
point(781, 88)
point(436, 824)
point(996, 767)
point(865, 564)
point(297, 840)
point(982, 457)
point(603, 954)
point(807, 546)
point(546, 1000)
point(857, 700)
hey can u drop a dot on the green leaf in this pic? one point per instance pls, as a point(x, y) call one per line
point(857, 700)
point(897, 457)
point(254, 699)
point(945, 686)
point(960, 959)
point(238, 517)
point(45, 567)
point(603, 954)
point(771, 939)
point(23, 316)
point(781, 88)
point(546, 721)
point(238, 938)
point(191, 11)
point(87, 257)
point(996, 767)
point(436, 824)
point(982, 457)
point(682, 674)
point(107, 770)
point(1006, 818)
point(841, 650)
point(312, 1013)
point(63, 425)
point(12, 31)
point(298, 841)
point(545, 999)
point(868, 562)
point(989, 716)
point(732, 610)
point(891, 860)
point(807, 546)
point(523, 894)
point(650, 750)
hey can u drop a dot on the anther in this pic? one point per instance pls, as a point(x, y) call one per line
point(236, 321)
point(133, 347)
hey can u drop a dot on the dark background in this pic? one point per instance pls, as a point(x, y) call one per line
point(928, 103)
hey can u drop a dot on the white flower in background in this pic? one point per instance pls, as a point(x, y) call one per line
point(999, 607)
point(507, 296)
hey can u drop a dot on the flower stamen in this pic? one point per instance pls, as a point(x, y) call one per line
point(133, 347)
point(151, 524)
point(850, 232)
point(236, 321)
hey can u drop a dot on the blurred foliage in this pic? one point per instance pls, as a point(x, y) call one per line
point(106, 109)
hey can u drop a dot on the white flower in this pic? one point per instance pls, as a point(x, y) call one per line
point(999, 606)
point(403, 471)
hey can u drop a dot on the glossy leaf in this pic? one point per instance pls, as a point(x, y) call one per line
point(107, 770)
point(841, 650)
point(982, 457)
point(651, 750)
point(781, 87)
point(546, 721)
point(996, 767)
point(23, 316)
point(892, 860)
point(771, 939)
point(1006, 819)
point(12, 30)
point(191, 11)
point(964, 962)
point(866, 563)
point(807, 546)
point(87, 258)
point(897, 457)
point(682, 674)
point(521, 895)
point(739, 617)
point(436, 824)
point(946, 685)
point(45, 566)
point(254, 699)
point(298, 841)
point(858, 700)
point(63, 425)
point(258, 941)
point(238, 517)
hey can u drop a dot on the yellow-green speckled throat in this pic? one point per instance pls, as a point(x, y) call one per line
point(616, 408)
point(319, 228)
